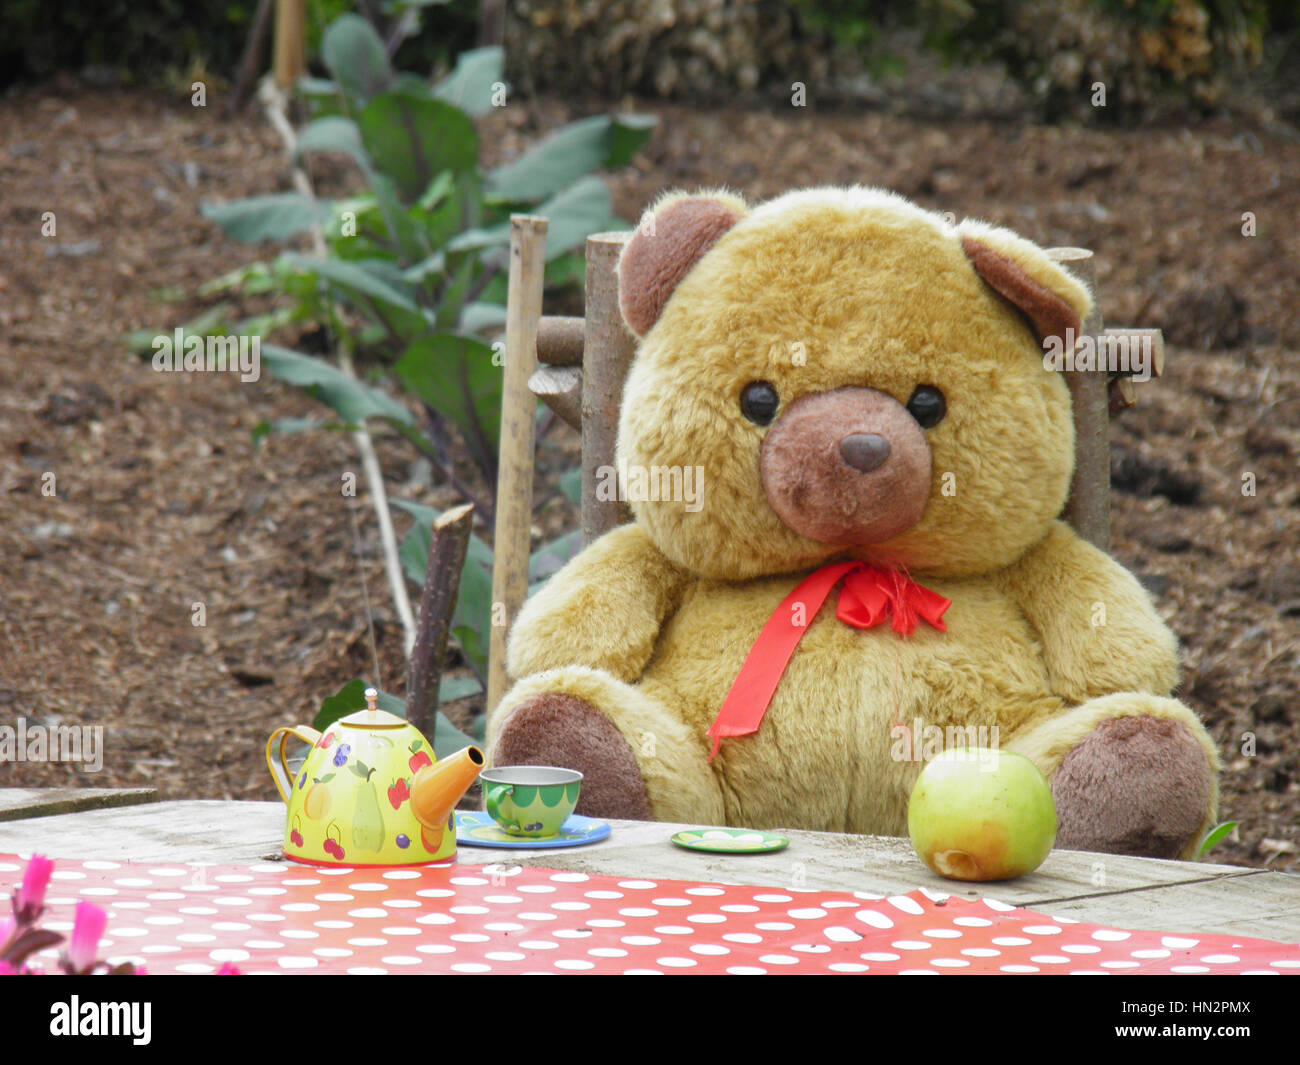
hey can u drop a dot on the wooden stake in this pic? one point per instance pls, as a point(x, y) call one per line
point(448, 543)
point(251, 59)
point(1088, 507)
point(1122, 394)
point(559, 340)
point(560, 388)
point(290, 31)
point(513, 538)
point(606, 355)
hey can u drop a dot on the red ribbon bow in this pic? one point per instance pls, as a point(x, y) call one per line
point(869, 593)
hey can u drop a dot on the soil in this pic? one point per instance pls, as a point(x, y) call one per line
point(134, 504)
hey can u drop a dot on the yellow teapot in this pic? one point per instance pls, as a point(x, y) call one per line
point(370, 792)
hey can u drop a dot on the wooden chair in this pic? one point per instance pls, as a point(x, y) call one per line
point(577, 367)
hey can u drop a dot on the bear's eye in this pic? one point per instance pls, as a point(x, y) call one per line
point(758, 402)
point(927, 406)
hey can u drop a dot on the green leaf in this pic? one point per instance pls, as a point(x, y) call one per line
point(354, 54)
point(477, 317)
point(372, 284)
point(414, 140)
point(353, 401)
point(548, 559)
point(452, 688)
point(286, 426)
point(278, 216)
point(455, 375)
point(571, 484)
point(334, 133)
point(574, 214)
point(350, 697)
point(447, 738)
point(469, 86)
point(569, 153)
point(1215, 836)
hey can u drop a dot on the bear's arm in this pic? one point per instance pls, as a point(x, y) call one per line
point(1099, 629)
point(603, 610)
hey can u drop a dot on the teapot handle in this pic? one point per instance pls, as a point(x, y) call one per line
point(280, 773)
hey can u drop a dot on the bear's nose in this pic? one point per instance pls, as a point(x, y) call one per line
point(864, 451)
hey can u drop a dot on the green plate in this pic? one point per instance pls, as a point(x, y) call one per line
point(730, 841)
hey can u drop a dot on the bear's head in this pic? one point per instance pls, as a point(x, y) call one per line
point(851, 376)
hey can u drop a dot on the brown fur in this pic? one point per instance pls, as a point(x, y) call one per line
point(823, 294)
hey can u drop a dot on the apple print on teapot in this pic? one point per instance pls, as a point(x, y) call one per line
point(370, 792)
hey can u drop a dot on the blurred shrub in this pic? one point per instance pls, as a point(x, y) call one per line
point(695, 49)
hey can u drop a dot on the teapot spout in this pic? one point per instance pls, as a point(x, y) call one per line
point(435, 789)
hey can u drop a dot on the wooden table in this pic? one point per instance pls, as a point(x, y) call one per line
point(1139, 893)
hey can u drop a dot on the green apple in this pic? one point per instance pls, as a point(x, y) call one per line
point(981, 814)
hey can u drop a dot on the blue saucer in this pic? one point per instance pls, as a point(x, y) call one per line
point(477, 829)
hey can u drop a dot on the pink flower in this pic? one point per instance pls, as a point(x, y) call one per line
point(227, 969)
point(30, 898)
point(87, 930)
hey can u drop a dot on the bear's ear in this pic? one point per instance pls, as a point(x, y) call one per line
point(1050, 298)
point(670, 240)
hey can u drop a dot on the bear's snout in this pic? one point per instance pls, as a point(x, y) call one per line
point(850, 466)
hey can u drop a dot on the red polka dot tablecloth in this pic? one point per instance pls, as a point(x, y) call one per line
point(277, 917)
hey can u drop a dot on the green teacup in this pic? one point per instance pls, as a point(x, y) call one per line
point(532, 801)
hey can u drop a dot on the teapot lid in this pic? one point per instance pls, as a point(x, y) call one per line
point(372, 716)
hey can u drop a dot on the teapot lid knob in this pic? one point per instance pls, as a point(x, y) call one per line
point(371, 697)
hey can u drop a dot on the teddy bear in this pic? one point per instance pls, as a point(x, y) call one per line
point(874, 551)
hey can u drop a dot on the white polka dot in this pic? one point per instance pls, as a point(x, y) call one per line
point(1050, 959)
point(501, 900)
point(261, 892)
point(739, 907)
point(196, 967)
point(499, 926)
point(774, 926)
point(606, 922)
point(705, 891)
point(1220, 959)
point(471, 937)
point(437, 918)
point(879, 956)
point(746, 970)
point(773, 898)
point(607, 952)
point(299, 907)
point(365, 912)
point(575, 964)
point(229, 954)
point(195, 937)
point(1042, 929)
point(164, 896)
point(465, 967)
point(917, 972)
point(779, 959)
point(811, 948)
point(1189, 969)
point(533, 916)
point(671, 902)
point(638, 911)
point(504, 955)
point(401, 874)
point(436, 948)
point(674, 962)
point(435, 893)
point(995, 904)
point(638, 885)
point(1151, 954)
point(468, 881)
point(1259, 972)
point(163, 871)
point(164, 948)
point(942, 933)
point(950, 963)
point(367, 970)
point(640, 941)
point(742, 937)
point(230, 926)
point(298, 963)
point(1285, 964)
point(368, 885)
point(807, 913)
point(642, 972)
point(1110, 935)
point(603, 894)
point(95, 863)
point(572, 933)
point(972, 922)
point(1019, 968)
point(402, 904)
point(133, 881)
point(120, 904)
point(706, 918)
point(300, 933)
point(875, 919)
point(570, 878)
point(848, 967)
point(407, 959)
point(538, 889)
point(1012, 941)
point(470, 909)
point(334, 896)
point(981, 952)
point(333, 952)
point(1081, 948)
point(402, 930)
point(261, 944)
point(911, 944)
point(67, 874)
point(539, 944)
point(1178, 942)
point(367, 941)
point(128, 932)
point(334, 924)
point(1119, 965)
point(907, 905)
point(232, 878)
point(1086, 972)
point(710, 949)
point(300, 882)
point(674, 930)
point(839, 934)
point(571, 906)
point(165, 919)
